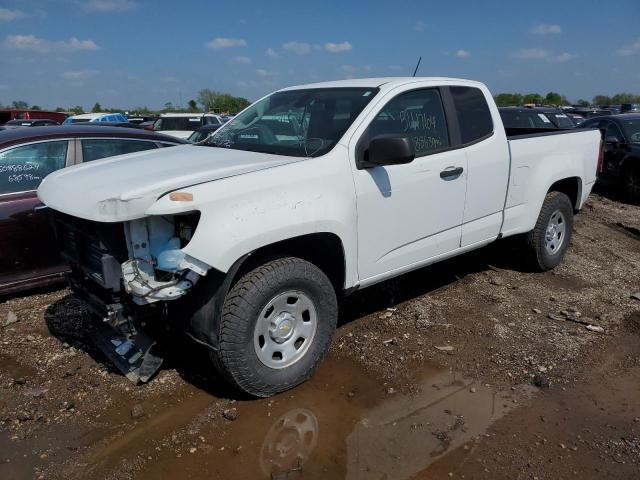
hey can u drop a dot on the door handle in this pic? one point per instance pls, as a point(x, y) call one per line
point(450, 172)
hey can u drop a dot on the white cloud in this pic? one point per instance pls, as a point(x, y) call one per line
point(79, 75)
point(419, 26)
point(4, 87)
point(337, 47)
point(462, 54)
point(564, 57)
point(221, 42)
point(246, 84)
point(631, 49)
point(271, 53)
point(349, 68)
point(530, 54)
point(546, 29)
point(299, 48)
point(40, 45)
point(265, 73)
point(7, 15)
point(109, 5)
point(240, 60)
point(541, 54)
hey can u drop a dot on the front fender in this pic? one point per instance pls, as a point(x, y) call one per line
point(240, 214)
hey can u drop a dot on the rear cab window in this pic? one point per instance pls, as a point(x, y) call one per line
point(22, 168)
point(474, 116)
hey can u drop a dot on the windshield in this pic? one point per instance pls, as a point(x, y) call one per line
point(632, 130)
point(299, 123)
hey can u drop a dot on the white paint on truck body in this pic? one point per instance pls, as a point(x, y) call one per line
point(389, 219)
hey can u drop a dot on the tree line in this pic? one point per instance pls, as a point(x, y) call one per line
point(554, 98)
point(208, 101)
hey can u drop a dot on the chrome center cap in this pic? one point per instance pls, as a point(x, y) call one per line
point(281, 328)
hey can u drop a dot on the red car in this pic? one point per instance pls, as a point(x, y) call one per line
point(28, 251)
point(17, 114)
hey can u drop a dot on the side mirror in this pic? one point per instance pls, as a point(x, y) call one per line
point(388, 150)
point(612, 140)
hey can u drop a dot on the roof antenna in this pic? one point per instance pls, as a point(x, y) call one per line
point(416, 70)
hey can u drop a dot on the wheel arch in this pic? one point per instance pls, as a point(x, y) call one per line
point(323, 249)
point(571, 187)
point(204, 306)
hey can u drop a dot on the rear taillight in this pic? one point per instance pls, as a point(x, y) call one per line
point(601, 156)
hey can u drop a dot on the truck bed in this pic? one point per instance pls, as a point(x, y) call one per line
point(539, 158)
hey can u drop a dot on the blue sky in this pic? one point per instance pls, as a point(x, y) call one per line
point(136, 52)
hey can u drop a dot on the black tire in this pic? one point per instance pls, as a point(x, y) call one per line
point(236, 357)
point(539, 256)
point(631, 182)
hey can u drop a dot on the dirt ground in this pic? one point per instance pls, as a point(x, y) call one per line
point(472, 368)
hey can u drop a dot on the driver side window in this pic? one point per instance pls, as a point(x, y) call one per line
point(419, 115)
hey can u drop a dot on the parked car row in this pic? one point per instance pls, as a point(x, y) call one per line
point(31, 123)
point(620, 135)
point(179, 125)
point(182, 125)
point(621, 162)
point(536, 119)
point(25, 114)
point(95, 117)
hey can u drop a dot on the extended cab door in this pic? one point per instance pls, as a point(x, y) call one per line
point(409, 213)
point(480, 133)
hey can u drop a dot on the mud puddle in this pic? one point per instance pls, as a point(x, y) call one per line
point(342, 424)
point(14, 369)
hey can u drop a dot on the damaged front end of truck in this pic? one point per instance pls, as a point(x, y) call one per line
point(126, 273)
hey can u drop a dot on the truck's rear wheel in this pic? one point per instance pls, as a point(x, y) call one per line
point(276, 326)
point(550, 238)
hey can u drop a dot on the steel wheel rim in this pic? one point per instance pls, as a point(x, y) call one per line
point(285, 329)
point(555, 233)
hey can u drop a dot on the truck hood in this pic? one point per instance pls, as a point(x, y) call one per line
point(122, 188)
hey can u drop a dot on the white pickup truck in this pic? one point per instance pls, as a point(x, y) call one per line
point(248, 240)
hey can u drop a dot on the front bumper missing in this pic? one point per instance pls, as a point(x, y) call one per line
point(134, 354)
point(118, 333)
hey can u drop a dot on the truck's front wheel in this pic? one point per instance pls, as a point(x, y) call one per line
point(276, 326)
point(549, 240)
